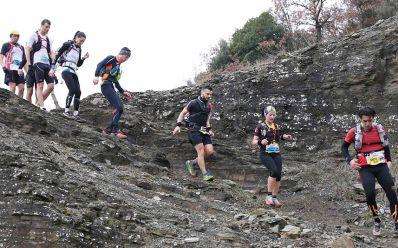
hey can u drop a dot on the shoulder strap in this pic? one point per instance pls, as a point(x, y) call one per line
point(202, 110)
point(110, 59)
point(48, 45)
point(8, 56)
point(19, 46)
point(36, 45)
point(10, 47)
point(358, 137)
point(70, 47)
point(264, 125)
point(382, 135)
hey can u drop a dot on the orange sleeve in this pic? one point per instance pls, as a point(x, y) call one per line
point(350, 137)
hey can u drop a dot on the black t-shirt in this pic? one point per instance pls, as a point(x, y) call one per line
point(263, 131)
point(199, 111)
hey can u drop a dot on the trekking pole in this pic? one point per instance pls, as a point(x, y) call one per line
point(55, 100)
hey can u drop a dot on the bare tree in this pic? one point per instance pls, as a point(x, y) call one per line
point(312, 15)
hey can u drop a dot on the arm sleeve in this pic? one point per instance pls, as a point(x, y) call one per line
point(102, 65)
point(63, 48)
point(4, 49)
point(387, 153)
point(23, 58)
point(80, 61)
point(346, 153)
point(349, 138)
point(118, 87)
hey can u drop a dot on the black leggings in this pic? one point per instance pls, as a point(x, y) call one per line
point(72, 81)
point(383, 176)
point(273, 163)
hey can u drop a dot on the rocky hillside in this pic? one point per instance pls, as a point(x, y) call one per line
point(67, 185)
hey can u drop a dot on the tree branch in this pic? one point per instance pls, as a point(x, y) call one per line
point(301, 5)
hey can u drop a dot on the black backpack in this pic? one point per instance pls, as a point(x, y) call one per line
point(62, 58)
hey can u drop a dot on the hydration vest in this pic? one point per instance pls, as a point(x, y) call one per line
point(37, 46)
point(203, 114)
point(359, 136)
point(62, 58)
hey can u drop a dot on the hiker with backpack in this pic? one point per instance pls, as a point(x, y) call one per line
point(267, 136)
point(373, 162)
point(13, 59)
point(196, 117)
point(39, 56)
point(69, 57)
point(109, 72)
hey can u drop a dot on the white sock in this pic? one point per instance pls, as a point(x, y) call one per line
point(75, 113)
point(66, 110)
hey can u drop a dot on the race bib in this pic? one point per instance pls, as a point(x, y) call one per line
point(375, 158)
point(15, 65)
point(272, 148)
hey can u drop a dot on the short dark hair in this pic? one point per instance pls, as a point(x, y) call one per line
point(366, 111)
point(125, 51)
point(45, 21)
point(207, 88)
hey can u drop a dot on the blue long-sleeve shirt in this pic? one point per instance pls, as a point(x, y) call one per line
point(111, 67)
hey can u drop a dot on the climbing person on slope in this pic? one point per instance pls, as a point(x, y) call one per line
point(372, 160)
point(69, 56)
point(109, 72)
point(197, 120)
point(13, 59)
point(267, 135)
point(39, 56)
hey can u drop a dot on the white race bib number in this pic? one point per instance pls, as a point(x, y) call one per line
point(376, 158)
point(272, 148)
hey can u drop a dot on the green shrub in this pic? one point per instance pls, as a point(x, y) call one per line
point(221, 56)
point(245, 43)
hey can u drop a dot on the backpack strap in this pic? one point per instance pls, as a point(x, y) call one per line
point(48, 45)
point(8, 56)
point(37, 45)
point(65, 51)
point(358, 137)
point(49, 50)
point(382, 135)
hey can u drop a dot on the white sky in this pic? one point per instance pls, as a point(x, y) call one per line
point(167, 37)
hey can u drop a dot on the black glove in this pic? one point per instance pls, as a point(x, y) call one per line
point(5, 70)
